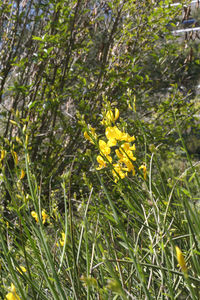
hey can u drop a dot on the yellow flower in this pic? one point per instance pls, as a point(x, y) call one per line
point(116, 114)
point(101, 161)
point(22, 174)
point(127, 138)
point(92, 134)
point(44, 216)
point(113, 134)
point(118, 172)
point(125, 155)
point(92, 130)
point(126, 159)
point(126, 150)
point(12, 295)
point(62, 240)
point(104, 148)
point(18, 140)
point(110, 117)
point(21, 269)
point(181, 259)
point(15, 157)
point(127, 147)
point(144, 168)
point(35, 216)
point(87, 137)
point(129, 166)
point(134, 103)
point(3, 154)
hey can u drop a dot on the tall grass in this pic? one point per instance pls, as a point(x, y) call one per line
point(120, 244)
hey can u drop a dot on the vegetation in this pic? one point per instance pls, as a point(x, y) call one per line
point(100, 189)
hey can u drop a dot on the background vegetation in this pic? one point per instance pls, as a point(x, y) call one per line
point(71, 230)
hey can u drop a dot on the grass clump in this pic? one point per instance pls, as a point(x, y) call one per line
point(135, 235)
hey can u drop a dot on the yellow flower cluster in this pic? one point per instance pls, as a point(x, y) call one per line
point(110, 117)
point(13, 294)
point(124, 153)
point(124, 148)
point(44, 216)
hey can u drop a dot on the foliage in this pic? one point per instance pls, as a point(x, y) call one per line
point(85, 213)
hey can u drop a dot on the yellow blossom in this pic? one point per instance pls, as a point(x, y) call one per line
point(112, 142)
point(3, 154)
point(18, 140)
point(134, 103)
point(21, 269)
point(127, 138)
point(13, 294)
point(101, 161)
point(44, 216)
point(127, 147)
point(126, 158)
point(126, 150)
point(92, 130)
point(129, 166)
point(92, 134)
point(125, 154)
point(118, 170)
point(181, 259)
point(62, 240)
point(104, 148)
point(35, 216)
point(22, 174)
point(116, 114)
point(15, 157)
point(144, 168)
point(110, 117)
point(113, 134)
point(87, 137)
